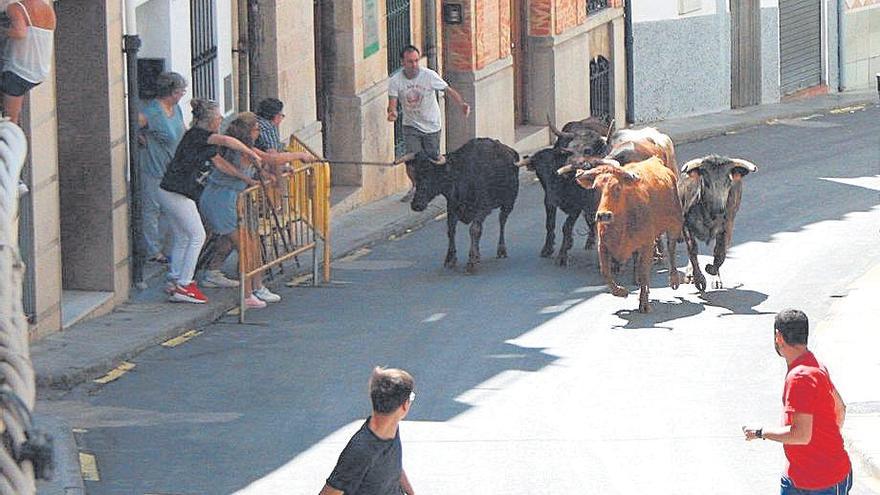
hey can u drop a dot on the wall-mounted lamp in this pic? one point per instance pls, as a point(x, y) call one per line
point(452, 13)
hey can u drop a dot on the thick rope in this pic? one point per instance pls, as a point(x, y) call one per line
point(16, 370)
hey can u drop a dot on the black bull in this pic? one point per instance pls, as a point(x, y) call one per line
point(477, 178)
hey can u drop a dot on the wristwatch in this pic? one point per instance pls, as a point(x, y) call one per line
point(759, 433)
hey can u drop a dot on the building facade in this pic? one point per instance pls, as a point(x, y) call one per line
point(860, 41)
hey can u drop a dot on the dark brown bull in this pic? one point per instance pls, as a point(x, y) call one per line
point(638, 204)
point(710, 191)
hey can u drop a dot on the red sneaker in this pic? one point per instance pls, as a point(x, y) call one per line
point(190, 294)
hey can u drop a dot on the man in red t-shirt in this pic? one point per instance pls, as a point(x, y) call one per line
point(813, 413)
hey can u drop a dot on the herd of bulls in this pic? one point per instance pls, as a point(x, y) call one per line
point(626, 185)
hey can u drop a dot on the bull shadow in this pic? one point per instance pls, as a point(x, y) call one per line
point(736, 300)
point(664, 311)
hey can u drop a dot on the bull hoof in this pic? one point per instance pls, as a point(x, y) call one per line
point(470, 268)
point(711, 270)
point(716, 282)
point(562, 260)
point(449, 263)
point(547, 252)
point(700, 282)
point(645, 308)
point(502, 252)
point(619, 292)
point(673, 279)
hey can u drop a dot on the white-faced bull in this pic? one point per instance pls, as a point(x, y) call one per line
point(477, 178)
point(710, 191)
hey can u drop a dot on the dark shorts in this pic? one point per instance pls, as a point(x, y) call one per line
point(421, 142)
point(13, 85)
point(841, 488)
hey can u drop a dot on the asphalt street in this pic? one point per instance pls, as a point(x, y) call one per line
point(531, 378)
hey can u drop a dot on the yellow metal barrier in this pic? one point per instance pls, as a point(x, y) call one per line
point(277, 222)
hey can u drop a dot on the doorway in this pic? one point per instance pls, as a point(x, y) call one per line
point(518, 38)
point(745, 53)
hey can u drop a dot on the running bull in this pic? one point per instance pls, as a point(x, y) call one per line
point(638, 204)
point(477, 178)
point(710, 191)
point(561, 191)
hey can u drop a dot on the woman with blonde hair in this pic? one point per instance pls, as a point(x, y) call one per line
point(218, 204)
point(180, 190)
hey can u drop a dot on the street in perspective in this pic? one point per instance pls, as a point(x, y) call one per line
point(530, 376)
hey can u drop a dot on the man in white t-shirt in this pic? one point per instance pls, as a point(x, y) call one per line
point(415, 87)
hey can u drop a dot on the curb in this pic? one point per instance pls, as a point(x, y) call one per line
point(66, 480)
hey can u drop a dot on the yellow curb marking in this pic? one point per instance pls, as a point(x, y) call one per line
point(854, 108)
point(115, 373)
point(88, 466)
point(360, 253)
point(234, 311)
point(79, 430)
point(181, 339)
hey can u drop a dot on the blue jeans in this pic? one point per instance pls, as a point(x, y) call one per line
point(841, 488)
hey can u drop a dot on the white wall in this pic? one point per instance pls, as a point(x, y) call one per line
point(662, 10)
point(164, 28)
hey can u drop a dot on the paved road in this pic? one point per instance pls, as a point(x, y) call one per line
point(531, 378)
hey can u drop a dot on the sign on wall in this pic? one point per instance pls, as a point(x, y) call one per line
point(371, 28)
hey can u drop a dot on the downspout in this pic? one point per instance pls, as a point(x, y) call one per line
point(131, 43)
point(628, 50)
point(430, 45)
point(841, 49)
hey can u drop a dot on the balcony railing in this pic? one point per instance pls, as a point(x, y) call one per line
point(594, 6)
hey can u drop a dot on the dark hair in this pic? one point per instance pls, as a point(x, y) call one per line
point(203, 111)
point(269, 108)
point(389, 389)
point(241, 126)
point(169, 82)
point(409, 48)
point(793, 325)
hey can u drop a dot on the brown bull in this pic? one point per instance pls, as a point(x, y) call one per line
point(636, 145)
point(639, 202)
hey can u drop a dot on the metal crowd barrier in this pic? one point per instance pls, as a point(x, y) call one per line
point(278, 222)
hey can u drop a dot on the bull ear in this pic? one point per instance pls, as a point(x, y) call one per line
point(748, 166)
point(631, 177)
point(691, 165)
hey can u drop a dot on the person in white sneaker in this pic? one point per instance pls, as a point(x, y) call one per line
point(218, 205)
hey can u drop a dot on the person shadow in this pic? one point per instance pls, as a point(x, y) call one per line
point(736, 300)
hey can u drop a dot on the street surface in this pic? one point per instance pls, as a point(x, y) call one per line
point(530, 377)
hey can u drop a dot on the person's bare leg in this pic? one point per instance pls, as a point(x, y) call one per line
point(12, 107)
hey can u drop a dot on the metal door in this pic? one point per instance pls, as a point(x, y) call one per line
point(517, 51)
point(800, 44)
point(397, 19)
point(745, 53)
point(204, 49)
point(600, 89)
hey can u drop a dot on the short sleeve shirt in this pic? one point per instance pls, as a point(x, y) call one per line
point(369, 465)
point(823, 462)
point(269, 138)
point(417, 98)
point(191, 160)
point(160, 136)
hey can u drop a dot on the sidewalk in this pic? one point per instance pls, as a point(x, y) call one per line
point(91, 348)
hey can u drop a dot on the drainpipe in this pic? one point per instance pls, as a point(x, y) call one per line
point(628, 49)
point(131, 43)
point(431, 33)
point(841, 49)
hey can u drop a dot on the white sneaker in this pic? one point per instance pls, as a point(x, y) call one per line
point(265, 294)
point(215, 278)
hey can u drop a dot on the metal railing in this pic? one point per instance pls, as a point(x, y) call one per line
point(594, 6)
point(397, 20)
point(600, 88)
point(204, 49)
point(278, 222)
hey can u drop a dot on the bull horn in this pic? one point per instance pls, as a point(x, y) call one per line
point(609, 161)
point(751, 167)
point(565, 169)
point(526, 160)
point(691, 165)
point(559, 134)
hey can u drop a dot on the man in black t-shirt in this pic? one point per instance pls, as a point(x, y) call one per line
point(371, 463)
